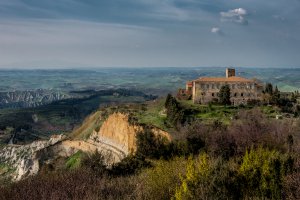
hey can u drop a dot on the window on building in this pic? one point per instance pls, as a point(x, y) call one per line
point(213, 94)
point(207, 86)
point(235, 94)
point(242, 94)
point(233, 86)
point(213, 86)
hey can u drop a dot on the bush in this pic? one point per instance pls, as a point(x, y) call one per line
point(151, 146)
point(77, 184)
point(95, 162)
point(132, 164)
point(161, 181)
point(208, 178)
point(74, 161)
point(253, 128)
point(292, 183)
point(262, 173)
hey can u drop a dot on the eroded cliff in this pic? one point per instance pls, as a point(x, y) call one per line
point(118, 131)
point(115, 139)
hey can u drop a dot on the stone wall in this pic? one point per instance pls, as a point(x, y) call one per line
point(241, 93)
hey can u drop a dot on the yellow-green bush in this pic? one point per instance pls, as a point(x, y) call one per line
point(161, 180)
point(197, 173)
point(261, 173)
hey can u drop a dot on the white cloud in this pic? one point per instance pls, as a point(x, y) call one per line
point(237, 15)
point(215, 30)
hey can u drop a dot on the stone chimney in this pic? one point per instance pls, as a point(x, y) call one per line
point(230, 72)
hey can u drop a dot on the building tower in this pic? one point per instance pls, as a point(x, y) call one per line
point(230, 72)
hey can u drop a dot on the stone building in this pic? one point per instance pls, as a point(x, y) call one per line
point(206, 89)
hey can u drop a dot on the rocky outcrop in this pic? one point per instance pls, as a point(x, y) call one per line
point(111, 154)
point(117, 131)
point(115, 140)
point(25, 99)
point(25, 158)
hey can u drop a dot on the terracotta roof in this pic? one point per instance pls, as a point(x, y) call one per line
point(223, 79)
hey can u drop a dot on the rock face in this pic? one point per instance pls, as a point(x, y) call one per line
point(25, 158)
point(118, 132)
point(115, 140)
point(26, 99)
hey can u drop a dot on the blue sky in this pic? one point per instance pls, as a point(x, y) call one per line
point(149, 33)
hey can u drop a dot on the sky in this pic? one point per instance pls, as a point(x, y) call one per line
point(149, 33)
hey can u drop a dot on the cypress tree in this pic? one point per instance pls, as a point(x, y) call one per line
point(224, 95)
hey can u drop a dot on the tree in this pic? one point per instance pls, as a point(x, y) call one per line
point(224, 95)
point(175, 114)
point(276, 96)
point(269, 88)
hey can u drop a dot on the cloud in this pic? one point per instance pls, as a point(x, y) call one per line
point(237, 15)
point(216, 30)
point(148, 33)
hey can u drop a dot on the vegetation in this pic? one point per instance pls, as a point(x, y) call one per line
point(218, 152)
point(74, 161)
point(224, 95)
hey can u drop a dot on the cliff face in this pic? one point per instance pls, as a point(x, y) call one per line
point(115, 140)
point(25, 159)
point(118, 132)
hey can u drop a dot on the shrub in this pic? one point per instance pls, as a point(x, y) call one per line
point(291, 183)
point(95, 162)
point(132, 164)
point(74, 161)
point(208, 178)
point(262, 173)
point(76, 184)
point(196, 175)
point(253, 128)
point(160, 181)
point(151, 145)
